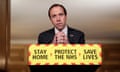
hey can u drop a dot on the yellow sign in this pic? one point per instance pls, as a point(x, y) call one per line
point(65, 54)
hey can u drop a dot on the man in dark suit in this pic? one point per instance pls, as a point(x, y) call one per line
point(61, 33)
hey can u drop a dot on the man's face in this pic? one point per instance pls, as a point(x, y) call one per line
point(58, 17)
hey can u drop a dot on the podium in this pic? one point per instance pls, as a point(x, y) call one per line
point(64, 57)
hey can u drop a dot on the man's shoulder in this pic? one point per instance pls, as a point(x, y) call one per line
point(47, 32)
point(73, 30)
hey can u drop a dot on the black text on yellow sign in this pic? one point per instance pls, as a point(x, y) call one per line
point(68, 54)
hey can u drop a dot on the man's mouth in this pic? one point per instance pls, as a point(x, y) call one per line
point(59, 24)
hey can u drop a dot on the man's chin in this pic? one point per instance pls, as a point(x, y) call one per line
point(60, 29)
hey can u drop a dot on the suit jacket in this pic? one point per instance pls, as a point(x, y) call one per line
point(74, 36)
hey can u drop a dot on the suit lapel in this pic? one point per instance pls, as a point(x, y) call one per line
point(51, 35)
point(70, 35)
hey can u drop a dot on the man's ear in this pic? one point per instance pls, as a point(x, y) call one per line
point(66, 16)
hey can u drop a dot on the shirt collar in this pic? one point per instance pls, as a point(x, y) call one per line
point(65, 30)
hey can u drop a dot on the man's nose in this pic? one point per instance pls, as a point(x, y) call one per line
point(58, 18)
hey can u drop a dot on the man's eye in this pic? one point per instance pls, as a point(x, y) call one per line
point(61, 14)
point(53, 16)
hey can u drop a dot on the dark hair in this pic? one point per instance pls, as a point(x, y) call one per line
point(55, 5)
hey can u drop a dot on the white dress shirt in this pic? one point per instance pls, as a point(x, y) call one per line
point(65, 30)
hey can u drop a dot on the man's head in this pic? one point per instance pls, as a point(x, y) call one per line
point(58, 15)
